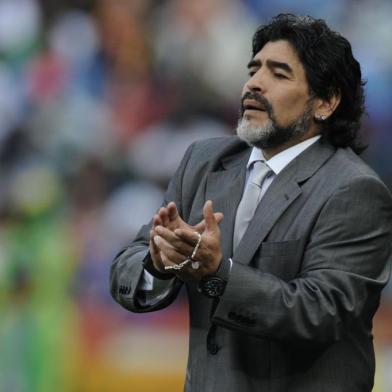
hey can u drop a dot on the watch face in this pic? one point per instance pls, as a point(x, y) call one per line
point(213, 286)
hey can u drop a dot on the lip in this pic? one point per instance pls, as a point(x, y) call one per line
point(250, 104)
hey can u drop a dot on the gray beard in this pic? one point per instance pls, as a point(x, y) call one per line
point(271, 135)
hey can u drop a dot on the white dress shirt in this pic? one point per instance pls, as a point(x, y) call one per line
point(277, 163)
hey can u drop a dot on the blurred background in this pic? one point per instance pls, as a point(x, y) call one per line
point(98, 101)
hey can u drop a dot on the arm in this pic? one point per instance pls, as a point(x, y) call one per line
point(126, 274)
point(344, 268)
point(126, 279)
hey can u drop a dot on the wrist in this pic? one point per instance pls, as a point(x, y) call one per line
point(154, 271)
point(214, 285)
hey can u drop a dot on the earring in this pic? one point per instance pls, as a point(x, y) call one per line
point(321, 117)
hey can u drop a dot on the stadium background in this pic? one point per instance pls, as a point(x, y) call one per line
point(98, 101)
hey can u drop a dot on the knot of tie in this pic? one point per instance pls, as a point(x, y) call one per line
point(259, 172)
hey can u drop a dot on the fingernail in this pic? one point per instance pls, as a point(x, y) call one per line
point(157, 240)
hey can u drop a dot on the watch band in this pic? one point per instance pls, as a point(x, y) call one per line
point(224, 269)
point(213, 286)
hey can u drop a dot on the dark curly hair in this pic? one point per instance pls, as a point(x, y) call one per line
point(330, 68)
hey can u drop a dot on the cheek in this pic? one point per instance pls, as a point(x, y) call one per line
point(290, 105)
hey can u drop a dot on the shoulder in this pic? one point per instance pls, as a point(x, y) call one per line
point(213, 150)
point(352, 164)
point(343, 175)
point(348, 173)
point(345, 167)
point(212, 146)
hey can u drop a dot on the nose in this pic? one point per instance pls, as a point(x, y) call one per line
point(255, 83)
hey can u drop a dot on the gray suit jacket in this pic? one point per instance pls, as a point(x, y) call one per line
point(297, 311)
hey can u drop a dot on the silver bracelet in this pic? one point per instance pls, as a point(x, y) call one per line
point(177, 266)
point(195, 264)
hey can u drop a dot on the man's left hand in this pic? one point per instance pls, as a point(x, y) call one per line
point(177, 246)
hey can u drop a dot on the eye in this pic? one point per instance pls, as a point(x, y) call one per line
point(279, 75)
point(251, 73)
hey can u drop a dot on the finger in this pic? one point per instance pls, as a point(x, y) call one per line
point(169, 250)
point(208, 213)
point(153, 248)
point(182, 247)
point(164, 216)
point(165, 259)
point(200, 227)
point(218, 217)
point(152, 234)
point(189, 236)
point(156, 220)
point(155, 254)
point(172, 211)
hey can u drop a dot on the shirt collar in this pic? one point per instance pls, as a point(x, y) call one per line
point(279, 161)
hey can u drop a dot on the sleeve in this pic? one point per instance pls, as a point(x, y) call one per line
point(151, 290)
point(345, 266)
point(127, 269)
point(146, 283)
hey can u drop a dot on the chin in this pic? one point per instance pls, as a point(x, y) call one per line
point(270, 135)
point(257, 119)
point(255, 123)
point(254, 133)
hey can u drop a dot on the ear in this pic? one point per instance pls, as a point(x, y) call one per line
point(323, 109)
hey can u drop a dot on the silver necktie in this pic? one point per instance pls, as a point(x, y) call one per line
point(250, 200)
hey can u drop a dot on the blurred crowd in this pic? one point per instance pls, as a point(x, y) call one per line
point(98, 101)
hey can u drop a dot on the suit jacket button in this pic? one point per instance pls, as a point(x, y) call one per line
point(213, 348)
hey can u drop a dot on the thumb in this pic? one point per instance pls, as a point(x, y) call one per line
point(200, 227)
point(209, 217)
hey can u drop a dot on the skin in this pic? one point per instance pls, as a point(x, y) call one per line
point(172, 241)
point(276, 73)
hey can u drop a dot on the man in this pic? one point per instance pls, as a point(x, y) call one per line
point(284, 278)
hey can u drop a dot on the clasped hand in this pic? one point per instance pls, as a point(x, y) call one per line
point(172, 241)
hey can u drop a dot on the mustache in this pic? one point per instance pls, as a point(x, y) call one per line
point(258, 98)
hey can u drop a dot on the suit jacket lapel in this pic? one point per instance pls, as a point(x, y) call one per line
point(282, 192)
point(224, 188)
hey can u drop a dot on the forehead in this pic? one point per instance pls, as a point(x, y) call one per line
point(281, 51)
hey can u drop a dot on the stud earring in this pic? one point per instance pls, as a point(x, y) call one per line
point(322, 117)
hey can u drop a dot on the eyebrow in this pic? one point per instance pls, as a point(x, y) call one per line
point(271, 64)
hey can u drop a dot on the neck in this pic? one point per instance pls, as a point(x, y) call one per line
point(271, 152)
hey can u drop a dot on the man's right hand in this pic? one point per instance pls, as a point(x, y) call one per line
point(154, 250)
point(170, 218)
